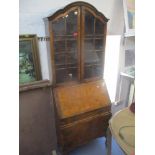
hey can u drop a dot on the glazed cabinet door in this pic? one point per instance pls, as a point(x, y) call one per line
point(65, 36)
point(78, 36)
point(93, 44)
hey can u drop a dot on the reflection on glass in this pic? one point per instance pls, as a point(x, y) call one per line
point(59, 46)
point(59, 26)
point(99, 27)
point(59, 59)
point(93, 47)
point(93, 71)
point(93, 64)
point(91, 57)
point(71, 22)
point(89, 44)
point(61, 75)
point(66, 74)
point(89, 23)
point(72, 65)
point(100, 56)
point(99, 44)
point(72, 58)
point(72, 45)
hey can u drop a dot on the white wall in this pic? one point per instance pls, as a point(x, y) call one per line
point(31, 21)
point(33, 11)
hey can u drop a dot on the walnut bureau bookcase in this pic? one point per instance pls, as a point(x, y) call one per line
point(82, 103)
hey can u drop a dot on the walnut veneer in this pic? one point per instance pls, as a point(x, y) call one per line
point(83, 113)
point(80, 98)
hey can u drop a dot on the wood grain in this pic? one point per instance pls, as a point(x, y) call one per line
point(80, 98)
point(83, 111)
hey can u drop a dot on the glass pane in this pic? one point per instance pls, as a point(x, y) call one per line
point(100, 56)
point(59, 46)
point(72, 65)
point(93, 62)
point(89, 23)
point(60, 66)
point(72, 58)
point(89, 44)
point(93, 57)
point(99, 44)
point(72, 45)
point(71, 22)
point(72, 74)
point(60, 59)
point(93, 71)
point(88, 71)
point(61, 75)
point(99, 27)
point(59, 26)
point(66, 75)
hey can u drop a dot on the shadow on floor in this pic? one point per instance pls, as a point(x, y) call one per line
point(97, 147)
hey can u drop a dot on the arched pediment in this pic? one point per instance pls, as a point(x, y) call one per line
point(78, 4)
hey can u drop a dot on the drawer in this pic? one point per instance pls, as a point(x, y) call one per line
point(82, 131)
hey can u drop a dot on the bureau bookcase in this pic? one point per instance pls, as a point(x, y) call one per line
point(82, 103)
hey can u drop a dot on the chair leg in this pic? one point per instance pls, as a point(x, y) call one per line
point(108, 142)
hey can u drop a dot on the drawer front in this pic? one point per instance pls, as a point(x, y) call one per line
point(82, 131)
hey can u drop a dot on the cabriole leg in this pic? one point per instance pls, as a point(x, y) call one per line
point(108, 142)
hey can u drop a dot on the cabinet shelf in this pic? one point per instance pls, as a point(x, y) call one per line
point(64, 35)
point(73, 35)
point(65, 39)
point(65, 68)
point(94, 50)
point(64, 52)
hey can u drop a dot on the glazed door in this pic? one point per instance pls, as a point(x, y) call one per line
point(78, 41)
point(93, 44)
point(66, 44)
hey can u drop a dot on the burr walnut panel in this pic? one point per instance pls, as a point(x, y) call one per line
point(80, 98)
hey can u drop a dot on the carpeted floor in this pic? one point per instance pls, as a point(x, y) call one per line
point(97, 147)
